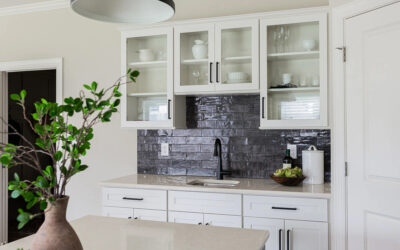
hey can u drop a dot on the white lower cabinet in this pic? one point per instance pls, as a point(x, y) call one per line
point(291, 234)
point(293, 223)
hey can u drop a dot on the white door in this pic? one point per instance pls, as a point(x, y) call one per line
point(237, 56)
point(118, 212)
point(306, 235)
point(223, 220)
point(194, 66)
point(3, 171)
point(186, 218)
point(275, 227)
point(154, 215)
point(373, 121)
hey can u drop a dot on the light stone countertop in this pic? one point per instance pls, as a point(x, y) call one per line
point(106, 233)
point(246, 186)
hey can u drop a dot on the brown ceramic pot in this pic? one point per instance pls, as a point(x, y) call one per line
point(56, 232)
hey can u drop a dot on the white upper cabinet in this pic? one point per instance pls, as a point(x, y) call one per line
point(150, 102)
point(217, 57)
point(293, 71)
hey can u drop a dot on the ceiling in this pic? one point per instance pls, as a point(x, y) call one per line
point(189, 9)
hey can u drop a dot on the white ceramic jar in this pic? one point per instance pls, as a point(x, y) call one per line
point(309, 44)
point(199, 49)
point(146, 55)
point(313, 165)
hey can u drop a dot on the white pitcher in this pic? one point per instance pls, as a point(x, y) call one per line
point(199, 49)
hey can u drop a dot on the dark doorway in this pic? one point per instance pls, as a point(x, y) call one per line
point(38, 84)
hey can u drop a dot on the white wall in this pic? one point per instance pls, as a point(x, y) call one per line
point(91, 51)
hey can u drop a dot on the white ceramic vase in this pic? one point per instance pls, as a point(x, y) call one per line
point(199, 49)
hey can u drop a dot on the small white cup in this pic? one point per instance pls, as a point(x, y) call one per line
point(286, 78)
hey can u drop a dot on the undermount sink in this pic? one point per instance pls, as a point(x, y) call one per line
point(211, 182)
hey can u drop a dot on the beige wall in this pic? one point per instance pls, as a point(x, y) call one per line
point(91, 51)
point(334, 3)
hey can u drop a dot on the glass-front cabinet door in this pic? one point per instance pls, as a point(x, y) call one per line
point(237, 56)
point(149, 102)
point(293, 72)
point(194, 58)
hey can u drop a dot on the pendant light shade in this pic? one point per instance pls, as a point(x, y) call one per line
point(125, 11)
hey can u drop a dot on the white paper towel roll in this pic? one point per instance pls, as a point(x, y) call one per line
point(313, 165)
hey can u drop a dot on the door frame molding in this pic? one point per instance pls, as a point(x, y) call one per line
point(31, 65)
point(338, 215)
point(39, 64)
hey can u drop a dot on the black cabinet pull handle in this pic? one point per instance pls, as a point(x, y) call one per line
point(217, 72)
point(135, 218)
point(288, 240)
point(207, 224)
point(280, 239)
point(132, 199)
point(263, 107)
point(129, 217)
point(200, 223)
point(285, 208)
point(169, 109)
point(211, 72)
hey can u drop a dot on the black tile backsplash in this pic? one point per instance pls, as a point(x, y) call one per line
point(247, 151)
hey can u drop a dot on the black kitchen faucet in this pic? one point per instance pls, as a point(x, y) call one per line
point(218, 153)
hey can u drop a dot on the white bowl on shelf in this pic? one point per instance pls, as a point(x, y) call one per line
point(309, 44)
point(146, 55)
point(237, 77)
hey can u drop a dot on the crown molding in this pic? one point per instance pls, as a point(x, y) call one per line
point(34, 7)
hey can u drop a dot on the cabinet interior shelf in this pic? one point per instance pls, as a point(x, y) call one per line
point(194, 61)
point(294, 55)
point(147, 94)
point(238, 59)
point(149, 64)
point(303, 89)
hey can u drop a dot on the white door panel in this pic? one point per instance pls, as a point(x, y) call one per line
point(275, 227)
point(372, 94)
point(223, 220)
point(186, 218)
point(306, 235)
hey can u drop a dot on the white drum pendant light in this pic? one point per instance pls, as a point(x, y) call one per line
point(125, 11)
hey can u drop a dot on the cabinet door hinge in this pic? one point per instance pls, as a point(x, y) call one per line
point(346, 169)
point(344, 51)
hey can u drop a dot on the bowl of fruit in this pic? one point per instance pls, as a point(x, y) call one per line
point(288, 176)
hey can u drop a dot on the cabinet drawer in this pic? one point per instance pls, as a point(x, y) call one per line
point(223, 220)
point(154, 215)
point(285, 208)
point(118, 212)
point(213, 203)
point(135, 198)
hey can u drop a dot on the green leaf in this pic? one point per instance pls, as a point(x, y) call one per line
point(35, 116)
point(16, 177)
point(32, 203)
point(43, 205)
point(87, 87)
point(5, 158)
point(135, 73)
point(58, 155)
point(15, 97)
point(15, 194)
point(23, 218)
point(28, 196)
point(23, 94)
point(94, 86)
point(42, 182)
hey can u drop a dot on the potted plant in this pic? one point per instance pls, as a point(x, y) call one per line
point(65, 142)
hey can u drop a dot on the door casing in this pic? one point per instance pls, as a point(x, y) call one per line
point(17, 66)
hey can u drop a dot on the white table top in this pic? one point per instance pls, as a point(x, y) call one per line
point(246, 186)
point(105, 233)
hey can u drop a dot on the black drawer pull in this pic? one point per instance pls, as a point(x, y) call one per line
point(132, 199)
point(211, 72)
point(169, 109)
point(285, 208)
point(263, 107)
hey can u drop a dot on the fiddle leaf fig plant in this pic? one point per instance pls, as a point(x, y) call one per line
point(65, 142)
